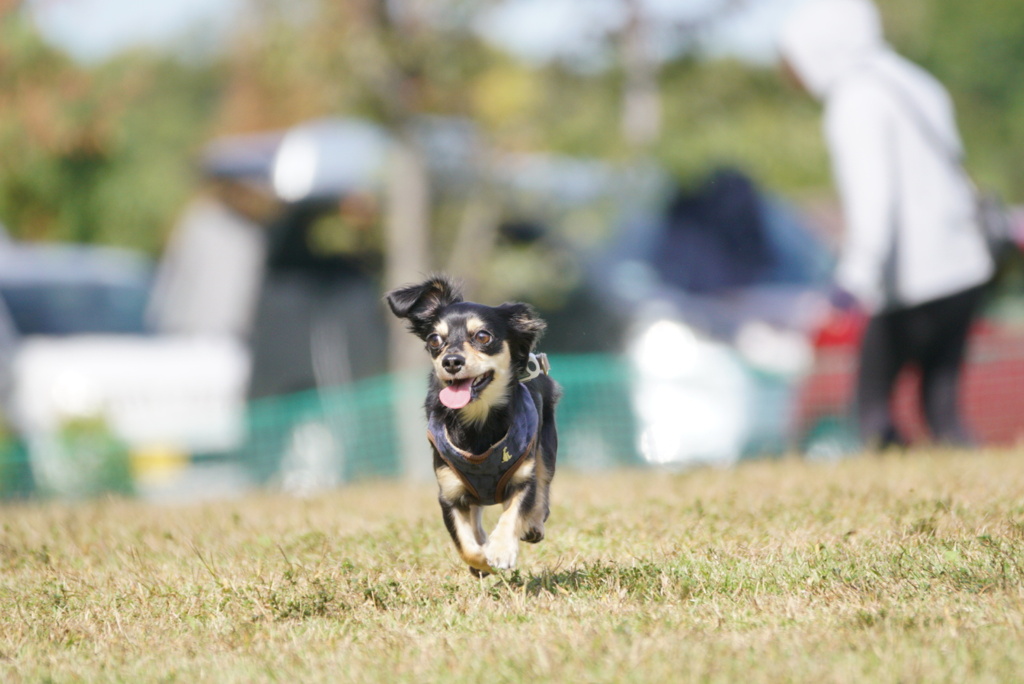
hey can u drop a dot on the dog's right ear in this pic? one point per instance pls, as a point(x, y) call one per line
point(420, 304)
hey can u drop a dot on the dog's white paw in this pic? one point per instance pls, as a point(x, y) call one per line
point(502, 554)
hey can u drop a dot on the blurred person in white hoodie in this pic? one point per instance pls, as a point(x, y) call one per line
point(912, 255)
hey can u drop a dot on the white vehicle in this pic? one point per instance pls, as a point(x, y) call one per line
point(97, 401)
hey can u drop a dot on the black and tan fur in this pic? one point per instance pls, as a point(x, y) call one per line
point(491, 345)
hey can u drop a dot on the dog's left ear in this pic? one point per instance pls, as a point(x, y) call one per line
point(420, 304)
point(526, 328)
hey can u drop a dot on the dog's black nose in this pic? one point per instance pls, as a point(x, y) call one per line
point(453, 363)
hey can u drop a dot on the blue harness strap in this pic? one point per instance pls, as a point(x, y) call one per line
point(486, 475)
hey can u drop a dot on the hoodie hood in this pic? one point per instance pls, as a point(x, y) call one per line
point(823, 39)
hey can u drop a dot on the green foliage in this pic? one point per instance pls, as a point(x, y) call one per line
point(151, 172)
point(714, 112)
point(99, 154)
point(725, 112)
point(977, 51)
point(83, 459)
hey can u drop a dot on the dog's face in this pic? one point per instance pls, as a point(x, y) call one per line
point(478, 351)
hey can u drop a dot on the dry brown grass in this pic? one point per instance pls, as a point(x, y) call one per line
point(891, 569)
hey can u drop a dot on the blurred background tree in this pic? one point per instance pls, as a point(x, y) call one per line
point(977, 49)
point(103, 152)
point(96, 154)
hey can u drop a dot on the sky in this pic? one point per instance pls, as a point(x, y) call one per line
point(537, 30)
point(92, 30)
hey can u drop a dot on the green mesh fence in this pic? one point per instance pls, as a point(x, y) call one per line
point(354, 432)
point(321, 438)
point(16, 479)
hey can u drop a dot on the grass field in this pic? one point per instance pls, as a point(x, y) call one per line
point(876, 569)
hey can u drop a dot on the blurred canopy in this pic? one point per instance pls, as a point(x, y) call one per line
point(105, 153)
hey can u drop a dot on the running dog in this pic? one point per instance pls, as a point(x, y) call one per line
point(490, 417)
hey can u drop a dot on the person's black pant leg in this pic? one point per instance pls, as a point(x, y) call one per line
point(881, 356)
point(948, 321)
point(934, 337)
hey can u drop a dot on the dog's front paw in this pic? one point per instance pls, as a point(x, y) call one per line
point(502, 554)
point(534, 535)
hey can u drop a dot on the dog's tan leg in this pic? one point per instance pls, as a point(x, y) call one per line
point(477, 513)
point(502, 549)
point(533, 519)
point(464, 524)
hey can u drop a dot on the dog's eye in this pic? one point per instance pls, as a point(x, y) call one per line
point(483, 337)
point(434, 341)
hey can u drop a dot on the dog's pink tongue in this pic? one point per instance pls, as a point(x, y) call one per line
point(457, 394)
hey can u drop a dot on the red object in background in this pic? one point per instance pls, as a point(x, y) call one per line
point(992, 394)
point(841, 329)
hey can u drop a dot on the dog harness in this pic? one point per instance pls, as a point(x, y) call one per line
point(536, 365)
point(487, 475)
